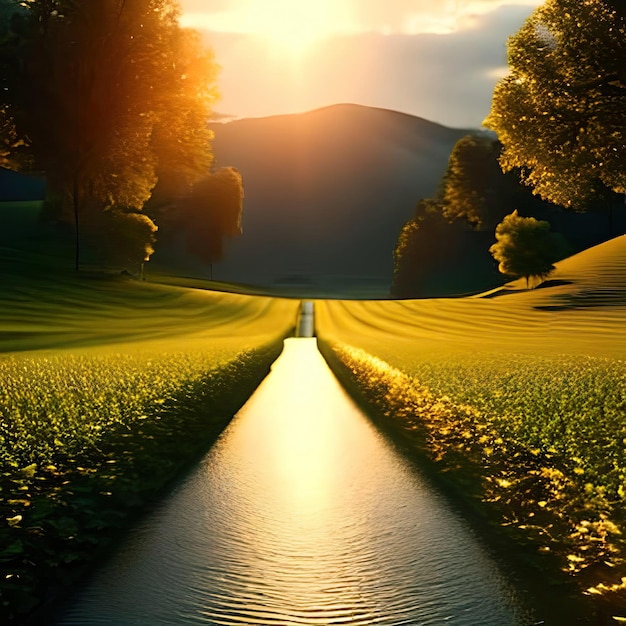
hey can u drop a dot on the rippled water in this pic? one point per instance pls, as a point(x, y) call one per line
point(302, 513)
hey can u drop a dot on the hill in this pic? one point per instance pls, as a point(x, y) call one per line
point(592, 278)
point(327, 192)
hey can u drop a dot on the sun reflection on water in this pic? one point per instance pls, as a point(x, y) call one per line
point(301, 514)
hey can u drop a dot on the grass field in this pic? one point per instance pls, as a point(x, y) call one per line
point(525, 391)
point(110, 387)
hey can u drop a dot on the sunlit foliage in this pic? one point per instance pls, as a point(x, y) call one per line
point(104, 97)
point(60, 406)
point(86, 438)
point(142, 379)
point(560, 112)
point(548, 458)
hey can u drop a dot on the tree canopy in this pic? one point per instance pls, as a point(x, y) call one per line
point(104, 97)
point(473, 180)
point(122, 238)
point(418, 248)
point(525, 247)
point(561, 111)
point(436, 250)
point(211, 212)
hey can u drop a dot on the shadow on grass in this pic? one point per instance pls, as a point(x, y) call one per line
point(601, 297)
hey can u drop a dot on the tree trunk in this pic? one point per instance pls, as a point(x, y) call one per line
point(76, 206)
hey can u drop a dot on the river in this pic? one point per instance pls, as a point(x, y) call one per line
point(302, 513)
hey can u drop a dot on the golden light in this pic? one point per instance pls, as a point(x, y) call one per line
point(295, 26)
point(291, 27)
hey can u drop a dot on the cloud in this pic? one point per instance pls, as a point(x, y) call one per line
point(416, 16)
point(388, 17)
point(445, 78)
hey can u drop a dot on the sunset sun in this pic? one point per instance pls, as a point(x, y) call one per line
point(291, 27)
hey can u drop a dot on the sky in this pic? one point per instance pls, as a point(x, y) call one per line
point(436, 59)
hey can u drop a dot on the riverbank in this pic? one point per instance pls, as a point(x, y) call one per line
point(302, 513)
point(518, 397)
point(73, 513)
point(435, 435)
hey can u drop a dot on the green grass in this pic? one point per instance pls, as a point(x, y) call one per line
point(110, 388)
point(94, 439)
point(520, 398)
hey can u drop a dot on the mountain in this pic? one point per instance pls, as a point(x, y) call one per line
point(18, 187)
point(326, 193)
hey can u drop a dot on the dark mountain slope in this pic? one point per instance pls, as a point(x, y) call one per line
point(326, 192)
point(18, 187)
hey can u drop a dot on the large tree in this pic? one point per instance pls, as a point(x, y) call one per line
point(561, 111)
point(103, 97)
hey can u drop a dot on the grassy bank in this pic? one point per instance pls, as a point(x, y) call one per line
point(110, 388)
point(518, 403)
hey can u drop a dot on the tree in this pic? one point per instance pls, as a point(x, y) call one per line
point(473, 185)
point(104, 97)
point(123, 237)
point(434, 257)
point(526, 247)
point(561, 111)
point(11, 32)
point(211, 212)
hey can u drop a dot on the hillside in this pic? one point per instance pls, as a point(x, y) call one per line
point(592, 278)
point(580, 310)
point(327, 192)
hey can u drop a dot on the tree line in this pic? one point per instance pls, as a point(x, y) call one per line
point(560, 121)
point(110, 100)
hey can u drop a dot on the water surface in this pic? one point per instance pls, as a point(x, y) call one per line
point(303, 514)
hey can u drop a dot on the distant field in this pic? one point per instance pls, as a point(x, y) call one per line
point(61, 310)
point(528, 387)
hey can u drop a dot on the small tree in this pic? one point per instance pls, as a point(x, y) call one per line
point(526, 247)
point(211, 212)
point(122, 238)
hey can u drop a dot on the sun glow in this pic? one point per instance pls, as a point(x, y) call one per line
point(290, 26)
